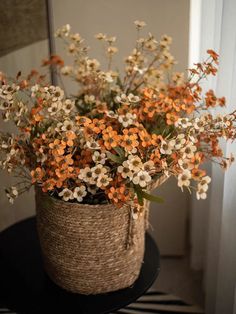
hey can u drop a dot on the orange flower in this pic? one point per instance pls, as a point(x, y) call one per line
point(97, 125)
point(156, 158)
point(130, 131)
point(54, 60)
point(197, 174)
point(210, 99)
point(188, 106)
point(37, 174)
point(129, 142)
point(197, 159)
point(124, 193)
point(111, 139)
point(118, 195)
point(64, 172)
point(48, 185)
point(145, 138)
point(149, 109)
point(68, 138)
point(148, 93)
point(213, 54)
point(58, 147)
point(156, 139)
point(171, 118)
point(221, 101)
point(113, 194)
point(82, 120)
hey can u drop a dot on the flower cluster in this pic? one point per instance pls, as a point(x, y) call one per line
point(115, 137)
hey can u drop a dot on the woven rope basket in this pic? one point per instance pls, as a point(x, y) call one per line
point(90, 249)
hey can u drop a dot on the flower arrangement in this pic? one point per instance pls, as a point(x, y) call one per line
point(117, 135)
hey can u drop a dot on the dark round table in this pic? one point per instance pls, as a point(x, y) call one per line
point(25, 287)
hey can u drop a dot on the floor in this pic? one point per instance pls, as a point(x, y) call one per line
point(176, 277)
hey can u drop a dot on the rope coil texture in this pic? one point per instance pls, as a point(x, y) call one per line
point(90, 249)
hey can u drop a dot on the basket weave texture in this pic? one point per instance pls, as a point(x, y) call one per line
point(85, 247)
point(90, 249)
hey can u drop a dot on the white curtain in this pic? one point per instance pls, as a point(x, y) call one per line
point(218, 31)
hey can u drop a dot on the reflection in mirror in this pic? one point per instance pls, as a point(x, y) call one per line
point(23, 45)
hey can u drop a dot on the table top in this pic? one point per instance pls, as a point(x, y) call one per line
point(25, 287)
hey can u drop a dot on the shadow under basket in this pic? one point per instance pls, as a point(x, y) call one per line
point(89, 249)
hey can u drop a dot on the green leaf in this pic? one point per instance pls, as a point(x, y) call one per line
point(142, 194)
point(114, 158)
point(120, 151)
point(138, 191)
point(151, 197)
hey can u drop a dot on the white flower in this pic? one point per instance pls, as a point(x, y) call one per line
point(12, 194)
point(98, 170)
point(135, 163)
point(92, 64)
point(141, 178)
point(56, 92)
point(112, 50)
point(76, 37)
point(139, 24)
point(140, 71)
point(188, 151)
point(100, 36)
point(68, 106)
point(167, 147)
point(201, 194)
point(127, 120)
point(66, 195)
point(165, 41)
point(183, 122)
point(148, 166)
point(67, 126)
point(34, 90)
point(79, 193)
point(180, 141)
point(89, 99)
point(108, 77)
point(125, 171)
point(86, 175)
point(133, 98)
point(121, 99)
point(192, 135)
point(203, 184)
point(63, 31)
point(198, 125)
point(185, 164)
point(54, 108)
point(99, 158)
point(66, 70)
point(103, 180)
point(184, 178)
point(93, 144)
point(178, 78)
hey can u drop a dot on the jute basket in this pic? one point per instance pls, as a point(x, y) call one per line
point(90, 249)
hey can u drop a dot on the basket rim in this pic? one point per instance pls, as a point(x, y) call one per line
point(38, 189)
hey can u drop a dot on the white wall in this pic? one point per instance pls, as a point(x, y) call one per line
point(114, 17)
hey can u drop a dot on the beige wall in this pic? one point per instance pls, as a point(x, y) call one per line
point(114, 17)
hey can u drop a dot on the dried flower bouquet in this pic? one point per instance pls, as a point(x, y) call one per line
point(118, 134)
